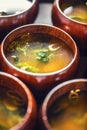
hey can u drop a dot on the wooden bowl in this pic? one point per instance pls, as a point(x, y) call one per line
point(75, 28)
point(26, 16)
point(14, 85)
point(79, 85)
point(0, 57)
point(41, 83)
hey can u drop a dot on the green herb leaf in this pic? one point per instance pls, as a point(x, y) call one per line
point(43, 56)
point(22, 49)
point(26, 67)
point(16, 58)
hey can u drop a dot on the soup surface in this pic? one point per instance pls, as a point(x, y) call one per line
point(69, 112)
point(12, 108)
point(39, 53)
point(77, 12)
point(14, 6)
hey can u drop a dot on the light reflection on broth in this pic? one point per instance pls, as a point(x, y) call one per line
point(14, 6)
point(77, 11)
point(39, 53)
point(69, 112)
point(12, 108)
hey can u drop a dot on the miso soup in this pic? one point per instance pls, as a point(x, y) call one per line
point(12, 108)
point(14, 6)
point(76, 10)
point(69, 112)
point(39, 53)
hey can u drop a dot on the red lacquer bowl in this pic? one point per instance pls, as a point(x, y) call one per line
point(27, 16)
point(77, 30)
point(52, 98)
point(41, 83)
point(16, 85)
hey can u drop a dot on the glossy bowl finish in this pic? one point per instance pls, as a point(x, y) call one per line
point(10, 22)
point(15, 84)
point(0, 57)
point(76, 29)
point(41, 83)
point(54, 94)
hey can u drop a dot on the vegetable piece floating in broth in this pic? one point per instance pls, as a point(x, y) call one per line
point(39, 53)
point(43, 56)
point(74, 96)
point(54, 47)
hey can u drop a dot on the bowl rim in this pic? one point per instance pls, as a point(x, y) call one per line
point(49, 96)
point(13, 15)
point(40, 74)
point(61, 12)
point(28, 112)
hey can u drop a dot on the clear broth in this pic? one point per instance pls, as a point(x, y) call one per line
point(77, 12)
point(39, 53)
point(12, 108)
point(69, 113)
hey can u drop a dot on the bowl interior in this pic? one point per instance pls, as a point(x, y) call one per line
point(75, 10)
point(14, 85)
point(13, 101)
point(8, 9)
point(38, 30)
